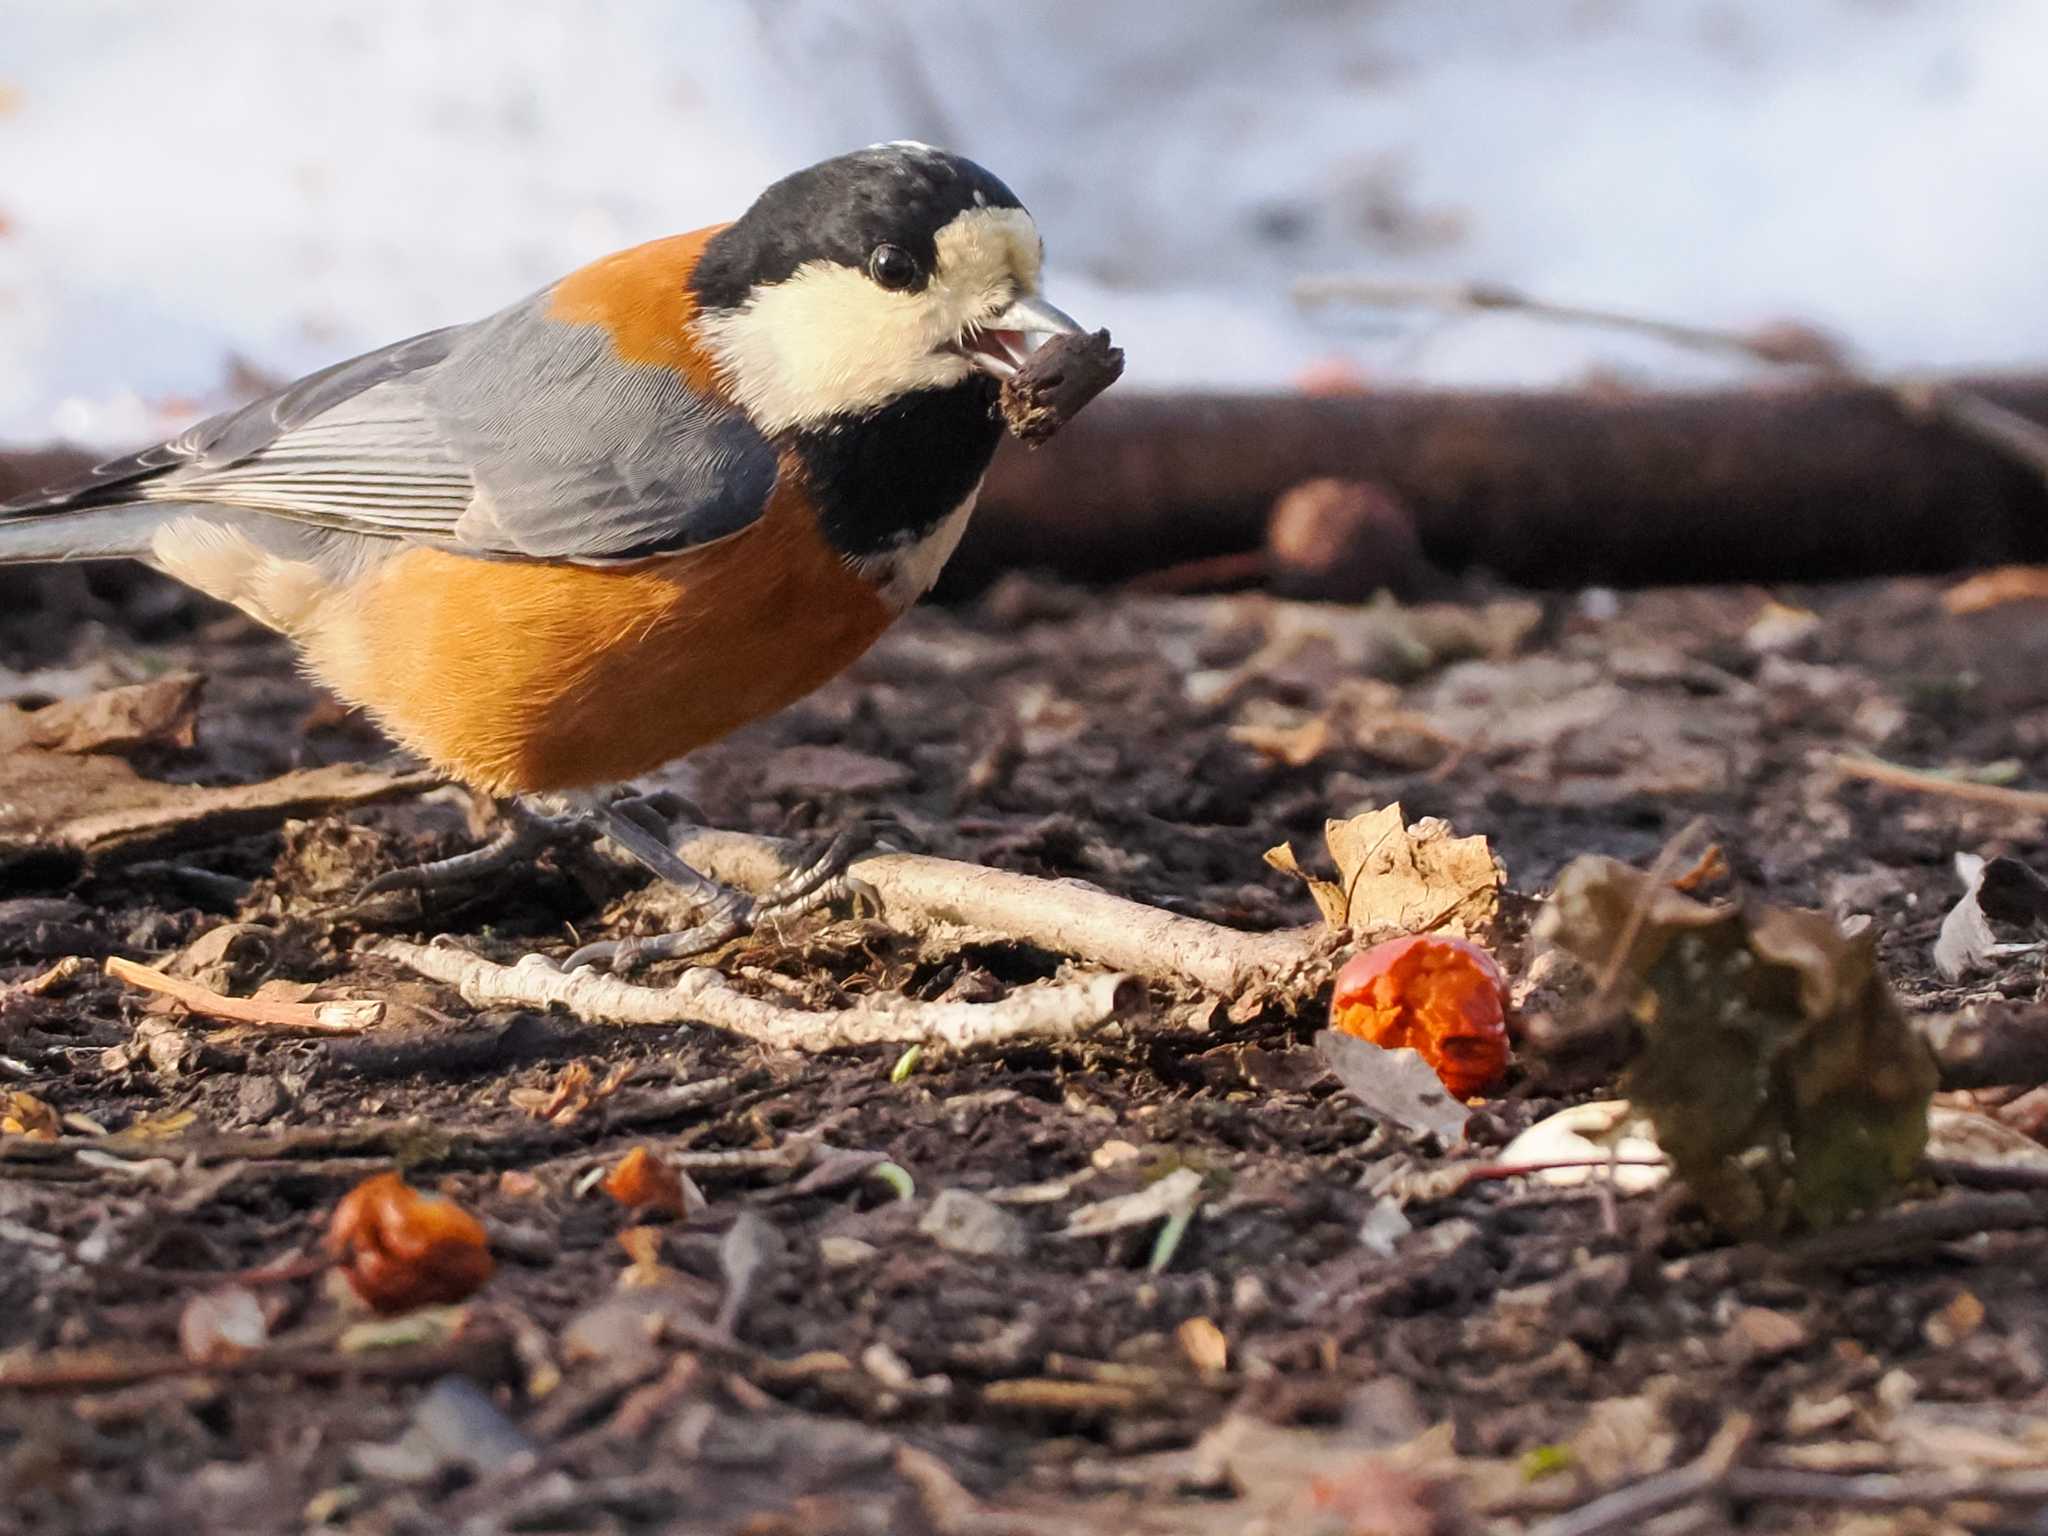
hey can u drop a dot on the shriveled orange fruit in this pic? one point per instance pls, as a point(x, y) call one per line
point(401, 1249)
point(1441, 997)
point(641, 1179)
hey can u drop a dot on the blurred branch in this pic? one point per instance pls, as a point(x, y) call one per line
point(1779, 346)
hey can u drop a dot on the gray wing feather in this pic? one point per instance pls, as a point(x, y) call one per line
point(517, 436)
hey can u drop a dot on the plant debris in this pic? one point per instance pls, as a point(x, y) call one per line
point(1395, 1084)
point(163, 712)
point(1385, 1279)
point(1784, 1079)
point(1393, 878)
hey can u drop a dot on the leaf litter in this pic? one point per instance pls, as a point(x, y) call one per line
point(1494, 1331)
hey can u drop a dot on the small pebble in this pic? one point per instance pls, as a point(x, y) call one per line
point(1762, 1333)
point(844, 1252)
point(259, 1099)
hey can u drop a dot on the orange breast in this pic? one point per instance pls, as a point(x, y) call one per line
point(518, 676)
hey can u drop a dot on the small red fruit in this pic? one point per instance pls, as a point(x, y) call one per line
point(401, 1249)
point(1444, 998)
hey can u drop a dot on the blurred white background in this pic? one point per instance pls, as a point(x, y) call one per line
point(195, 190)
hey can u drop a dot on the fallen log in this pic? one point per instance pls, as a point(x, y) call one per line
point(1787, 481)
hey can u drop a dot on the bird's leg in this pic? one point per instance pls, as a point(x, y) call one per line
point(642, 826)
point(818, 879)
point(526, 831)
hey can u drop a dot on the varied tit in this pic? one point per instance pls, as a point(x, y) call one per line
point(557, 547)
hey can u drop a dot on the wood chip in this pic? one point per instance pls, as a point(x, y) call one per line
point(163, 712)
point(100, 808)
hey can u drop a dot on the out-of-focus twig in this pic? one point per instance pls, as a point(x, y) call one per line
point(2025, 802)
point(1783, 345)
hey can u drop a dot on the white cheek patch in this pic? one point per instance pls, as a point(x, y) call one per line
point(829, 342)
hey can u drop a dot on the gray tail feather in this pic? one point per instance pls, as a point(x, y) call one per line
point(91, 533)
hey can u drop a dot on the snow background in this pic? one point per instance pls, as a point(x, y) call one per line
point(192, 193)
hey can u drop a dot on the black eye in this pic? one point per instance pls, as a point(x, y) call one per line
point(892, 266)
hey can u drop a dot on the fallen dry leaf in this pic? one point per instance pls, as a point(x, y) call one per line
point(1173, 1194)
point(1783, 1078)
point(1711, 868)
point(643, 1253)
point(1393, 878)
point(23, 1114)
point(99, 807)
point(1361, 715)
point(574, 1090)
point(1965, 944)
point(163, 712)
point(1970, 1136)
point(1395, 1085)
point(401, 1249)
point(829, 770)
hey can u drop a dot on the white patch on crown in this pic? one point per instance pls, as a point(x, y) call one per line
point(904, 574)
point(828, 341)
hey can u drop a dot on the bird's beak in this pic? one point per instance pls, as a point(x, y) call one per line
point(1000, 344)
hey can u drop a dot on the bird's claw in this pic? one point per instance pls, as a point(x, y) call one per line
point(817, 880)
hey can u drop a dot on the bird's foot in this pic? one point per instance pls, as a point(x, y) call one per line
point(819, 878)
point(524, 833)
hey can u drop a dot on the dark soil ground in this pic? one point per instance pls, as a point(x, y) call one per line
point(1524, 1348)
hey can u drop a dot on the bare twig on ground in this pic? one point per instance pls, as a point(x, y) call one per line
point(962, 904)
point(1912, 1229)
point(1887, 1490)
point(484, 1350)
point(704, 996)
point(414, 1143)
point(1960, 408)
point(1714, 1474)
point(1626, 1508)
point(340, 1017)
point(2025, 802)
point(1975, 1175)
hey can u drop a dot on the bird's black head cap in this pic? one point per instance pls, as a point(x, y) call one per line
point(840, 210)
